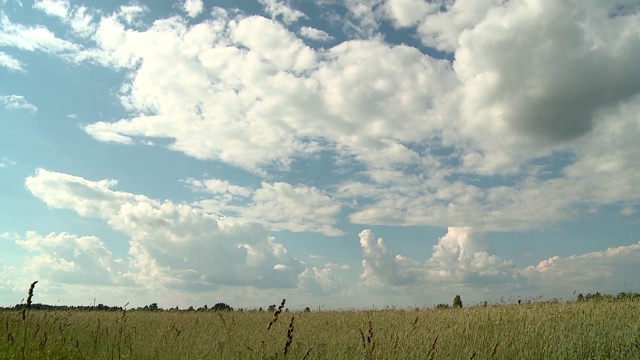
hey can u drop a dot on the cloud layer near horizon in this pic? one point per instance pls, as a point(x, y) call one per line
point(182, 248)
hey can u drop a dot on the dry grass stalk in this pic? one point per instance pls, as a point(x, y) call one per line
point(29, 300)
point(276, 313)
point(495, 350)
point(25, 317)
point(306, 355)
point(432, 351)
point(289, 335)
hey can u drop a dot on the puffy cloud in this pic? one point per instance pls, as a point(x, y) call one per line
point(442, 29)
point(462, 257)
point(607, 271)
point(79, 18)
point(173, 245)
point(17, 102)
point(537, 90)
point(382, 268)
point(321, 280)
point(277, 45)
point(361, 18)
point(269, 98)
point(193, 7)
point(300, 208)
point(406, 13)
point(279, 206)
point(58, 8)
point(277, 8)
point(315, 34)
point(9, 62)
point(462, 260)
point(216, 186)
point(68, 259)
point(458, 259)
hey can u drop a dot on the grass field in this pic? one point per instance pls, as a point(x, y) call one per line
point(577, 330)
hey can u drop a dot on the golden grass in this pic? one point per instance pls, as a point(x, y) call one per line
point(586, 330)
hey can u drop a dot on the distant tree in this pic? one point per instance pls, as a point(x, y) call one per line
point(272, 307)
point(457, 302)
point(442, 306)
point(580, 297)
point(221, 307)
point(153, 307)
point(307, 309)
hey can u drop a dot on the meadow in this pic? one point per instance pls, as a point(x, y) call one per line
point(574, 330)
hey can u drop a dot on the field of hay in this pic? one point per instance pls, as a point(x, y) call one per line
point(577, 330)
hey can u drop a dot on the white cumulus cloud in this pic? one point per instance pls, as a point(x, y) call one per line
point(193, 8)
point(17, 102)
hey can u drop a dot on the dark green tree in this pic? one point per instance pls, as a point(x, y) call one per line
point(221, 307)
point(457, 302)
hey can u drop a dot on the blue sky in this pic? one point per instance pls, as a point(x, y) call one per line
point(336, 153)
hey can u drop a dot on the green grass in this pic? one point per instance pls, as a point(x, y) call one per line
point(579, 330)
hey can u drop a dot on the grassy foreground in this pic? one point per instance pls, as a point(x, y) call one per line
point(579, 330)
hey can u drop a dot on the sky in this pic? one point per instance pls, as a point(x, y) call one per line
point(336, 153)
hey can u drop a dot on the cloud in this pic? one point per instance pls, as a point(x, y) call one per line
point(315, 34)
point(607, 271)
point(68, 259)
point(291, 95)
point(277, 8)
point(9, 281)
point(459, 258)
point(79, 18)
point(361, 18)
point(462, 257)
point(58, 8)
point(173, 245)
point(9, 62)
point(301, 208)
point(5, 162)
point(442, 29)
point(321, 280)
point(381, 268)
point(193, 8)
point(524, 130)
point(279, 206)
point(538, 95)
point(216, 186)
point(32, 38)
point(17, 102)
point(131, 14)
point(406, 13)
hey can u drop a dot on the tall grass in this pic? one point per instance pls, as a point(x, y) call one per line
point(580, 330)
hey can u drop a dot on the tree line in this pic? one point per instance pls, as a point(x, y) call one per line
point(457, 303)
